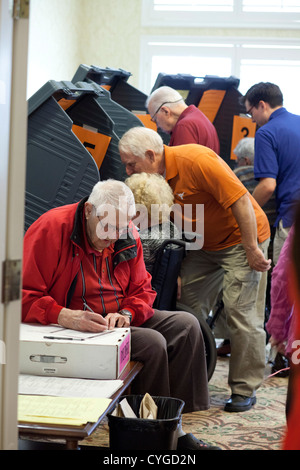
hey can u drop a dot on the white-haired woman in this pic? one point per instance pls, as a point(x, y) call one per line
point(154, 200)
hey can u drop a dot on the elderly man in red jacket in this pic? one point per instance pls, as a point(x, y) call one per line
point(83, 269)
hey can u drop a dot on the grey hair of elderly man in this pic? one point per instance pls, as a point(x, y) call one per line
point(165, 95)
point(138, 140)
point(245, 151)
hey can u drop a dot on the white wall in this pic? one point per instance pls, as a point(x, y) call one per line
point(54, 32)
point(106, 33)
point(65, 33)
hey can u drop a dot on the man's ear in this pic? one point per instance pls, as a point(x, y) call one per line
point(88, 208)
point(166, 110)
point(150, 154)
point(264, 105)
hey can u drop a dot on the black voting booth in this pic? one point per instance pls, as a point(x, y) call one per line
point(116, 82)
point(73, 135)
point(111, 166)
point(124, 104)
point(60, 169)
point(221, 102)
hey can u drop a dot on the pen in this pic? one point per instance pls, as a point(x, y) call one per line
point(66, 338)
point(88, 308)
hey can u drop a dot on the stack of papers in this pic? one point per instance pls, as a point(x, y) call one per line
point(60, 410)
point(63, 400)
point(67, 387)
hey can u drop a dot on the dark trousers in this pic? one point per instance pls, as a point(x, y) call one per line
point(171, 346)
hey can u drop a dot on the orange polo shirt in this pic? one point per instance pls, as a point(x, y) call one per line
point(197, 175)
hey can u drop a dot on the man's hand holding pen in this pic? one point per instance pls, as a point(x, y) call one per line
point(82, 320)
point(86, 320)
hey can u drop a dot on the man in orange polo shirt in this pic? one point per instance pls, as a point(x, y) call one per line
point(233, 255)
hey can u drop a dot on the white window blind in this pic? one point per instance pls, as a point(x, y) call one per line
point(222, 13)
point(190, 5)
point(251, 60)
point(271, 6)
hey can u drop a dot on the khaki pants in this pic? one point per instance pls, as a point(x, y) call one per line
point(204, 275)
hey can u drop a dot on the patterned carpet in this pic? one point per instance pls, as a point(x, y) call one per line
point(260, 428)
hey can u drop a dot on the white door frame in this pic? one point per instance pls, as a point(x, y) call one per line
point(13, 136)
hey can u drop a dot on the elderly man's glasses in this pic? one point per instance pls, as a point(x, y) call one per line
point(159, 108)
point(111, 230)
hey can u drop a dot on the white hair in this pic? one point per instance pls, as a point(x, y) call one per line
point(152, 191)
point(138, 140)
point(114, 194)
point(245, 148)
point(164, 94)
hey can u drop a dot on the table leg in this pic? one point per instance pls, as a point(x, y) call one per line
point(72, 444)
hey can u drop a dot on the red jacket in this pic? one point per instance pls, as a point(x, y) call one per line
point(51, 260)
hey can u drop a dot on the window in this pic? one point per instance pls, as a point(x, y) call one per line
point(225, 13)
point(250, 60)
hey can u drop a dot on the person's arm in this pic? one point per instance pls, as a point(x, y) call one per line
point(264, 190)
point(40, 261)
point(45, 265)
point(244, 214)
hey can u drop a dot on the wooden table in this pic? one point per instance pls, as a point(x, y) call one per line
point(73, 434)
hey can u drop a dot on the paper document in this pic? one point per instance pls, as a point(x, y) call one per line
point(60, 410)
point(44, 332)
point(66, 334)
point(67, 387)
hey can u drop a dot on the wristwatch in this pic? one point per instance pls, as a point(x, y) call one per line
point(126, 313)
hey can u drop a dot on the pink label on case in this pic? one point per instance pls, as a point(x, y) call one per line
point(124, 354)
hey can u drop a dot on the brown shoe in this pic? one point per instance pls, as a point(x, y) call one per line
point(224, 349)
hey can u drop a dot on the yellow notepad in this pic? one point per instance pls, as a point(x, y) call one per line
point(60, 410)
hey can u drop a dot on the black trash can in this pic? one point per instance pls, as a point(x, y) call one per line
point(147, 434)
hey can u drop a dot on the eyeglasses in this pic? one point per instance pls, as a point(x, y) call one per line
point(159, 108)
point(249, 111)
point(112, 230)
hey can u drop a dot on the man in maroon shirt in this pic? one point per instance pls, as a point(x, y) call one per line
point(186, 124)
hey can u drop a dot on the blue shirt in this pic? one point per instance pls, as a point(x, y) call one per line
point(277, 155)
